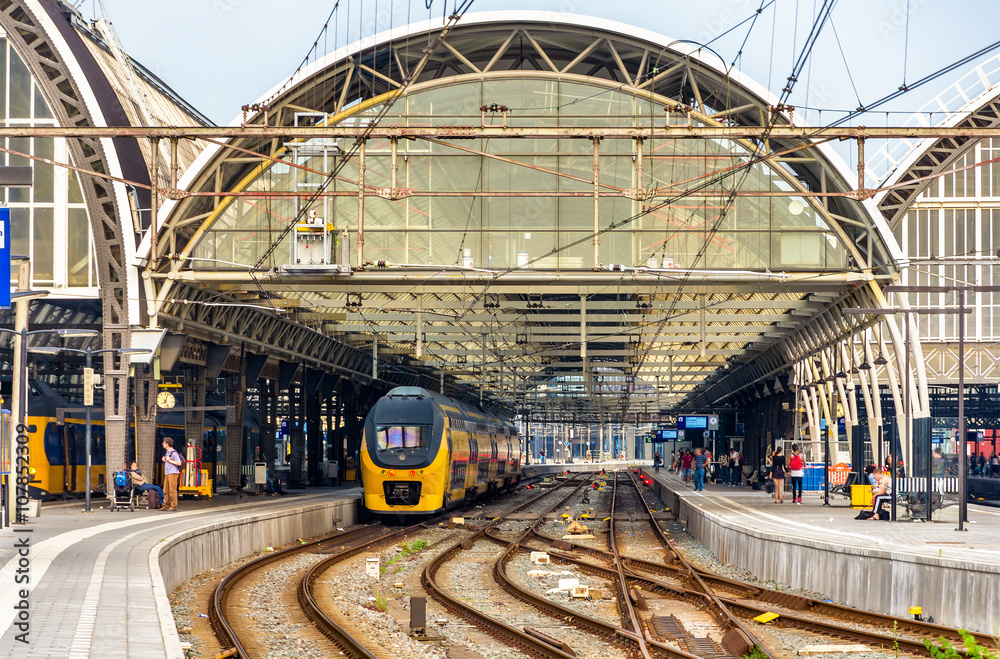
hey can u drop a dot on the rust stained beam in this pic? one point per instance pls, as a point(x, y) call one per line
point(500, 132)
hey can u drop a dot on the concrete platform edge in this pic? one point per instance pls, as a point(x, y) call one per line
point(865, 577)
point(310, 519)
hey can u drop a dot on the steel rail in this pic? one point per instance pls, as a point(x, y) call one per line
point(883, 641)
point(668, 568)
point(349, 646)
point(219, 621)
point(579, 620)
point(696, 577)
point(621, 581)
point(790, 619)
point(525, 641)
point(929, 631)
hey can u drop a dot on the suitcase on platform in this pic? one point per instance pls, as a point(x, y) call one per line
point(152, 499)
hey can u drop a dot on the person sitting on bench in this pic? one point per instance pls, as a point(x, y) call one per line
point(140, 484)
point(881, 495)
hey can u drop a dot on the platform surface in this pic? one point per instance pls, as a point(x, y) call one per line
point(91, 583)
point(835, 524)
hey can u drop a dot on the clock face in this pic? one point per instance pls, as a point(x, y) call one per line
point(165, 399)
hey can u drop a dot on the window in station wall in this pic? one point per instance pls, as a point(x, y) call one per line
point(49, 221)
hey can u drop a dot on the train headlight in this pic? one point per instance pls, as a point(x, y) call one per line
point(413, 472)
point(392, 473)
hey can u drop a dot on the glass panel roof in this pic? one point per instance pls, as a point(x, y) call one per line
point(503, 202)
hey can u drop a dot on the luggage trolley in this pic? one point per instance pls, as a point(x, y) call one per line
point(194, 481)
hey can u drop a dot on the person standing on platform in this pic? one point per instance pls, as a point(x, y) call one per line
point(735, 467)
point(700, 462)
point(673, 461)
point(687, 460)
point(657, 461)
point(994, 465)
point(797, 469)
point(724, 467)
point(778, 475)
point(171, 474)
point(541, 455)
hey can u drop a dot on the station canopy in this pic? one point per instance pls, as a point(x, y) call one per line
point(514, 221)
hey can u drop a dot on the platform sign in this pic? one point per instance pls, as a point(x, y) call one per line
point(5, 257)
point(692, 422)
point(666, 434)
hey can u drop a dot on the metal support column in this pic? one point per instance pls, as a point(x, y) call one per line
point(235, 394)
point(145, 418)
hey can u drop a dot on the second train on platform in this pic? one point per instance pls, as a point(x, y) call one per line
point(424, 452)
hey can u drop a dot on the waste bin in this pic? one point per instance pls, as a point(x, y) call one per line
point(861, 496)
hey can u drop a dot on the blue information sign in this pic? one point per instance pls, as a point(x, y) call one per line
point(692, 422)
point(5, 257)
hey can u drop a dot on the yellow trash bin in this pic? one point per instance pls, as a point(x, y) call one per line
point(861, 496)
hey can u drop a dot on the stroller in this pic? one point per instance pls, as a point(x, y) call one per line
point(124, 492)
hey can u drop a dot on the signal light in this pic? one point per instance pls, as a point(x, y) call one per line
point(413, 472)
point(392, 473)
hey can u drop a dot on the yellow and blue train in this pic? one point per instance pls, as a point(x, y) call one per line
point(423, 452)
point(57, 452)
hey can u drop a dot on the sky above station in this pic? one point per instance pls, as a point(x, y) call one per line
point(221, 54)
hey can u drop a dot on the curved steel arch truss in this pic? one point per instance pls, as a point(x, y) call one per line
point(34, 34)
point(649, 340)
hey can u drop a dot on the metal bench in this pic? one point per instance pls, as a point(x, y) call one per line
point(912, 494)
point(844, 489)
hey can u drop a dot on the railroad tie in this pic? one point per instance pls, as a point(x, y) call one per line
point(786, 600)
point(668, 627)
point(704, 647)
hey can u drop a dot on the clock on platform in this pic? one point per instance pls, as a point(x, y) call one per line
point(165, 399)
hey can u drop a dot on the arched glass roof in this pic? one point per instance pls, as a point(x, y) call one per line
point(489, 211)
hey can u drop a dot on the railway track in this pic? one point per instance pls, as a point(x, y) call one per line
point(813, 615)
point(535, 644)
point(645, 589)
point(626, 634)
point(340, 546)
point(225, 628)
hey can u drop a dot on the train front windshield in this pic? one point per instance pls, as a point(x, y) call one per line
point(397, 437)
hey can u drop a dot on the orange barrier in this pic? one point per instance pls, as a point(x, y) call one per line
point(839, 472)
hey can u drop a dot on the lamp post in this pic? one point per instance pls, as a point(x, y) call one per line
point(88, 393)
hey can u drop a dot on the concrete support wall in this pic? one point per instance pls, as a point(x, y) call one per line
point(189, 553)
point(955, 593)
